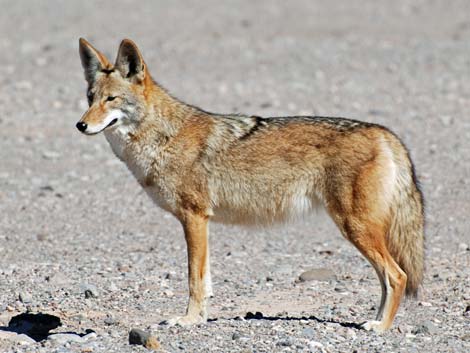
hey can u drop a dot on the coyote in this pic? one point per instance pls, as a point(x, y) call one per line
point(242, 169)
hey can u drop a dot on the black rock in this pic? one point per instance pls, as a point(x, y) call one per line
point(138, 336)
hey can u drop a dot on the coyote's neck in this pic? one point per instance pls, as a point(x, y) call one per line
point(164, 105)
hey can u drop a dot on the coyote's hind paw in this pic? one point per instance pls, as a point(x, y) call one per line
point(374, 325)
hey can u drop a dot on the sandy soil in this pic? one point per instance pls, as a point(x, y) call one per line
point(73, 220)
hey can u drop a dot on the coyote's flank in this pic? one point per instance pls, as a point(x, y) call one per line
point(237, 169)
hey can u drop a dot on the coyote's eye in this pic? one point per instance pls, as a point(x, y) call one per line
point(110, 98)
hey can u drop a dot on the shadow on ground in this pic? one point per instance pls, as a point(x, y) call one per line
point(37, 326)
point(259, 316)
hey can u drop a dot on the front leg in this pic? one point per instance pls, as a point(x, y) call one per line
point(196, 234)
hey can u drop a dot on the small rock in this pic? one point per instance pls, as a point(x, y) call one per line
point(236, 336)
point(425, 328)
point(110, 320)
point(463, 246)
point(41, 236)
point(25, 298)
point(282, 313)
point(152, 343)
point(63, 338)
point(57, 278)
point(140, 337)
point(315, 346)
point(90, 336)
point(308, 332)
point(51, 155)
point(89, 290)
point(317, 274)
point(123, 268)
point(47, 188)
point(284, 343)
point(351, 334)
point(168, 293)
point(340, 289)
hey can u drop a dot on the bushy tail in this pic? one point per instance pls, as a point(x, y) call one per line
point(406, 236)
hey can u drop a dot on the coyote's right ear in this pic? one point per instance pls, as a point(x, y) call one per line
point(92, 60)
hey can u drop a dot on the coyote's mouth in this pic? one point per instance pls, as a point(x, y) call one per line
point(114, 121)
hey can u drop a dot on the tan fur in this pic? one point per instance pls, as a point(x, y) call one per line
point(250, 170)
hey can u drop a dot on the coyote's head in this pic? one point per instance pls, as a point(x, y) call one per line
point(116, 93)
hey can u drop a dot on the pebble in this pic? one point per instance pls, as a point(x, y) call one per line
point(315, 346)
point(464, 247)
point(425, 304)
point(110, 320)
point(427, 327)
point(284, 342)
point(317, 274)
point(25, 298)
point(143, 338)
point(63, 338)
point(41, 236)
point(89, 290)
point(308, 332)
point(51, 155)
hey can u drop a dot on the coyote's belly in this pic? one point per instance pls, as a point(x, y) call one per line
point(263, 204)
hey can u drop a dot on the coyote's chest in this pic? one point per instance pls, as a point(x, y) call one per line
point(145, 162)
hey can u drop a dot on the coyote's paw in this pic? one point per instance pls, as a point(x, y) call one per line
point(373, 325)
point(186, 320)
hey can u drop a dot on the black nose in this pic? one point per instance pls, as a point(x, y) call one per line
point(81, 126)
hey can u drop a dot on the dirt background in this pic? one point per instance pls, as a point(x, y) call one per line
point(72, 217)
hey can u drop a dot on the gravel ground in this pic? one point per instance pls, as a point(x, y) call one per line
point(79, 240)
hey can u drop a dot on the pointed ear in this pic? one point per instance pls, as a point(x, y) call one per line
point(129, 61)
point(92, 60)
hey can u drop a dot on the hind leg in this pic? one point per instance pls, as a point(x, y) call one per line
point(370, 240)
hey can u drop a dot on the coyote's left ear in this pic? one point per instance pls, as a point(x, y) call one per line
point(129, 61)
